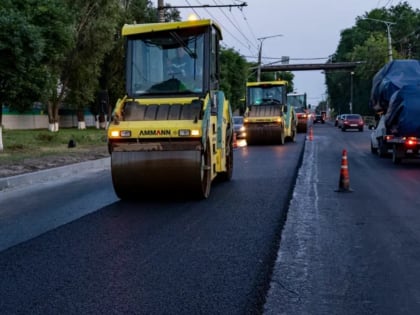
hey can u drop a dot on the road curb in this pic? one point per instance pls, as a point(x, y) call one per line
point(53, 173)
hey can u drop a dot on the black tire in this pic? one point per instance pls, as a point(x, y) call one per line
point(294, 132)
point(282, 138)
point(205, 160)
point(227, 175)
point(293, 137)
point(396, 157)
point(382, 150)
point(373, 150)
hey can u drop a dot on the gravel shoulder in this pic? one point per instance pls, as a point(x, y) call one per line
point(29, 165)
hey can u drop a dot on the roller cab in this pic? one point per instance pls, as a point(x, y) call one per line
point(268, 118)
point(172, 133)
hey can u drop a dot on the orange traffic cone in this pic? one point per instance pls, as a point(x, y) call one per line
point(344, 183)
point(311, 133)
point(235, 141)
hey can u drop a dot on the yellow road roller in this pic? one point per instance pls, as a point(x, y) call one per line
point(268, 119)
point(172, 133)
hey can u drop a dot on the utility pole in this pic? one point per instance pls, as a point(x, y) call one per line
point(161, 11)
point(388, 28)
point(261, 39)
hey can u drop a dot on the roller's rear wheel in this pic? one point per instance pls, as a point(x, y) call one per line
point(282, 137)
point(227, 175)
point(205, 166)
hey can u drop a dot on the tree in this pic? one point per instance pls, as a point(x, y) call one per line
point(286, 76)
point(94, 23)
point(113, 68)
point(33, 37)
point(367, 42)
point(234, 69)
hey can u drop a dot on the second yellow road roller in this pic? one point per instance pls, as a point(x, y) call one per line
point(172, 133)
point(268, 118)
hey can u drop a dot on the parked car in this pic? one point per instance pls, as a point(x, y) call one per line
point(352, 121)
point(337, 118)
point(239, 128)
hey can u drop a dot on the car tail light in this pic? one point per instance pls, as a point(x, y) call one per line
point(411, 141)
point(388, 137)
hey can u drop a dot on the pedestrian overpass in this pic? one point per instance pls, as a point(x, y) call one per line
point(312, 66)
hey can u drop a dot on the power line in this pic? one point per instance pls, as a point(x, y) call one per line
point(225, 29)
point(234, 25)
point(203, 6)
point(249, 26)
point(195, 12)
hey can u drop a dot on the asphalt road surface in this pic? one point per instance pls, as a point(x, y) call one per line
point(239, 252)
point(354, 252)
point(98, 255)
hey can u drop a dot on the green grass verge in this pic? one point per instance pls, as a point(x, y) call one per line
point(21, 144)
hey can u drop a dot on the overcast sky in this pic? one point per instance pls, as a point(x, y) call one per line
point(310, 29)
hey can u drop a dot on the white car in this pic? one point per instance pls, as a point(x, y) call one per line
point(377, 141)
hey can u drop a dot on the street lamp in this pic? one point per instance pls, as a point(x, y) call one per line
point(388, 28)
point(261, 39)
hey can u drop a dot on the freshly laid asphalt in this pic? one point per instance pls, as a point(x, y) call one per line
point(29, 179)
point(33, 178)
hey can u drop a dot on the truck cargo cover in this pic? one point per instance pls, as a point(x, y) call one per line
point(403, 115)
point(389, 79)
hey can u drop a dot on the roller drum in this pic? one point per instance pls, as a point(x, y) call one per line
point(143, 173)
point(265, 135)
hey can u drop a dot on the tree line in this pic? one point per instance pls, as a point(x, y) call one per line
point(367, 41)
point(66, 52)
point(71, 51)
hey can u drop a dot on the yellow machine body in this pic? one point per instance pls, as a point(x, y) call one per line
point(173, 132)
point(268, 119)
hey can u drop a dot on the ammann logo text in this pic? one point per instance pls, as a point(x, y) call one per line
point(158, 132)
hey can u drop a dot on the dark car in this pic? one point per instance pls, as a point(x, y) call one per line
point(352, 121)
point(319, 118)
point(239, 128)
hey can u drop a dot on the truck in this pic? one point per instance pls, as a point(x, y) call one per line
point(268, 119)
point(298, 101)
point(172, 133)
point(395, 97)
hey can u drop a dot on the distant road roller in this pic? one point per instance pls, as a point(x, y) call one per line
point(173, 131)
point(268, 118)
